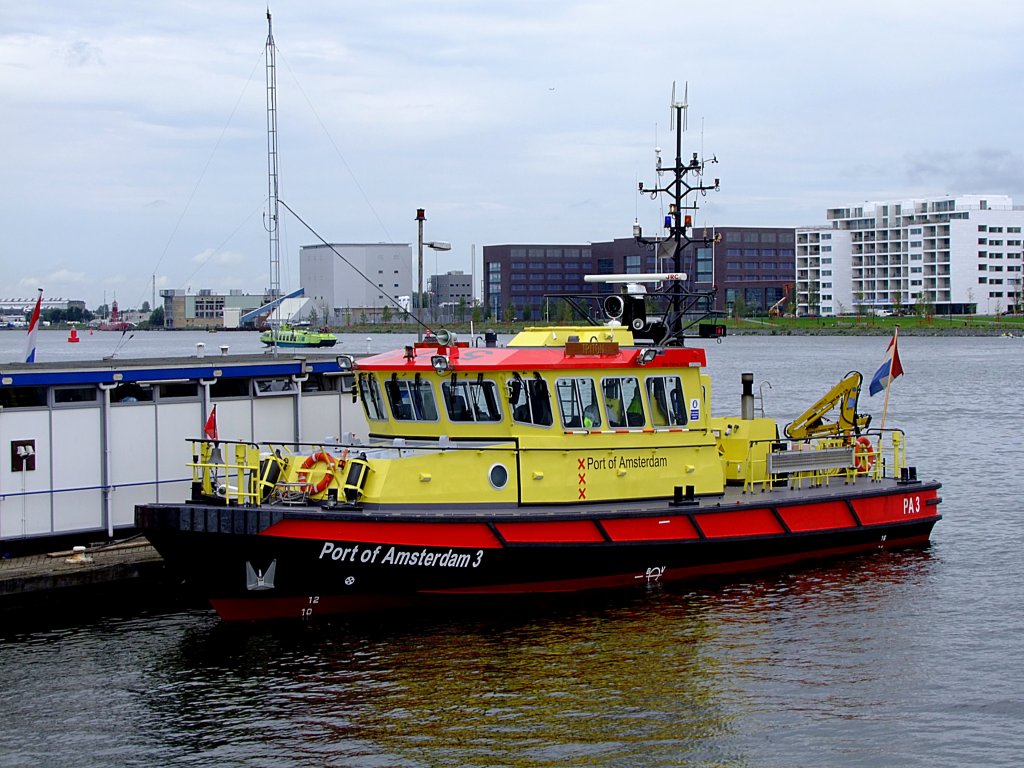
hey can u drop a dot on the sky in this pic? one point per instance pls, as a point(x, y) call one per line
point(135, 147)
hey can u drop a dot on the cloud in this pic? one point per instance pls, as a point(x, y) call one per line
point(65, 276)
point(134, 136)
point(81, 53)
point(980, 170)
point(222, 258)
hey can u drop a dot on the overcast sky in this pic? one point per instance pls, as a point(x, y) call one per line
point(134, 133)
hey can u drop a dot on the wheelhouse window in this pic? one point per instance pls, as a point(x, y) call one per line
point(530, 401)
point(411, 399)
point(369, 393)
point(665, 394)
point(577, 400)
point(471, 400)
point(623, 401)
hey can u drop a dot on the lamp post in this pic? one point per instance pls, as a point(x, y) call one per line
point(421, 216)
point(436, 245)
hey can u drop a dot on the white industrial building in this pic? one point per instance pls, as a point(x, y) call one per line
point(954, 255)
point(330, 276)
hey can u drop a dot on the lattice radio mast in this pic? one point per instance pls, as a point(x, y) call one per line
point(271, 220)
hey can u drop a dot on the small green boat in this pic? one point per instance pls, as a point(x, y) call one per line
point(298, 336)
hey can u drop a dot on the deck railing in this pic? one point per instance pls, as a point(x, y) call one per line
point(875, 454)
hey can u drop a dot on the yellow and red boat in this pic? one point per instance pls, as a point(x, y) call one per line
point(575, 458)
point(552, 465)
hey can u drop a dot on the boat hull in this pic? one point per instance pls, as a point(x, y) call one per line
point(272, 563)
point(303, 344)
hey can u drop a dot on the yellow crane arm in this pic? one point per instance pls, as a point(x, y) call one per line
point(813, 423)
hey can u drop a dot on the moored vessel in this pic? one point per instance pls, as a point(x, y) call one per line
point(577, 458)
point(298, 336)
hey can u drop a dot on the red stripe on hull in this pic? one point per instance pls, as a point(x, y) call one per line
point(312, 602)
point(555, 532)
point(433, 534)
point(651, 529)
point(899, 508)
point(683, 574)
point(818, 517)
point(748, 522)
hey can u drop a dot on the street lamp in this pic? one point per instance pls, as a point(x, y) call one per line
point(436, 245)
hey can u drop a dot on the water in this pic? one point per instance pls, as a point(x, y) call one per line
point(53, 346)
point(907, 658)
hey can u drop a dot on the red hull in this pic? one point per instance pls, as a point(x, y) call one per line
point(323, 561)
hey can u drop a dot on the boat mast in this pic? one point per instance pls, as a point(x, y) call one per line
point(271, 222)
point(678, 223)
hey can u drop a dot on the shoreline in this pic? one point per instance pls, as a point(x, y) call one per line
point(1013, 331)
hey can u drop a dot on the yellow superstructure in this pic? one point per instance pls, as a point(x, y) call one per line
point(559, 416)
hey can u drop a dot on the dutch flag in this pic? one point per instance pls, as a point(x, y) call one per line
point(889, 370)
point(33, 330)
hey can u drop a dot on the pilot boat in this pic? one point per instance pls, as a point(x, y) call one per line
point(575, 458)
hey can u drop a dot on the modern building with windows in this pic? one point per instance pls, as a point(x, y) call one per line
point(206, 308)
point(753, 268)
point(450, 297)
point(518, 279)
point(950, 255)
point(452, 288)
point(750, 267)
point(822, 272)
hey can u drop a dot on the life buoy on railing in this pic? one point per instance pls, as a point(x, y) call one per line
point(863, 455)
point(320, 457)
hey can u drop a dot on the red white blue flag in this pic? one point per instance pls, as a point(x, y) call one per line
point(889, 370)
point(33, 330)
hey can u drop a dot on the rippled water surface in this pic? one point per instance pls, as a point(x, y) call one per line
point(891, 659)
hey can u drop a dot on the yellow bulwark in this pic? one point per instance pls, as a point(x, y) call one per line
point(559, 336)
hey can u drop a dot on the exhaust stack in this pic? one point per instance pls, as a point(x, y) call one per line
point(747, 399)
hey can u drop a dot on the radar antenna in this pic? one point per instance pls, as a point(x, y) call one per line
point(680, 106)
point(675, 245)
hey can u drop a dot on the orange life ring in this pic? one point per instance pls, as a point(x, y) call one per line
point(310, 462)
point(863, 455)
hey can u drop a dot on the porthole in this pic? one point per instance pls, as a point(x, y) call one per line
point(498, 476)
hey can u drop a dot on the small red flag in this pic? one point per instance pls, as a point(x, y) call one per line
point(211, 424)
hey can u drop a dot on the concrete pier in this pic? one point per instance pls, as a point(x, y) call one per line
point(33, 580)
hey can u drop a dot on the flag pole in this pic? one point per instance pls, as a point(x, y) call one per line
point(888, 383)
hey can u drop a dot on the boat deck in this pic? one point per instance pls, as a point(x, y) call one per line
point(202, 517)
point(807, 492)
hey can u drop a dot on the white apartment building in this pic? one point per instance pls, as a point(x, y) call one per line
point(335, 286)
point(823, 272)
point(957, 255)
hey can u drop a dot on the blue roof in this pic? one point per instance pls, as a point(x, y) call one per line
point(139, 370)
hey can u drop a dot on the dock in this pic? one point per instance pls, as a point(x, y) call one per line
point(38, 580)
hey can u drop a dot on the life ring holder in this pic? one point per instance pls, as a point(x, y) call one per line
point(320, 457)
point(863, 455)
